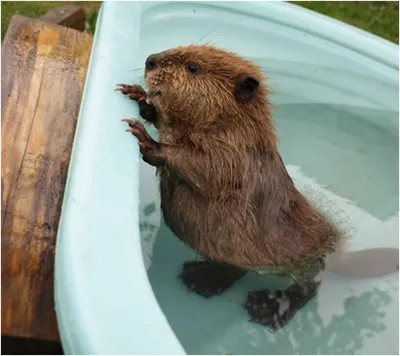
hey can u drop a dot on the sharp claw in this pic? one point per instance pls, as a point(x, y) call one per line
point(133, 130)
point(144, 98)
point(132, 122)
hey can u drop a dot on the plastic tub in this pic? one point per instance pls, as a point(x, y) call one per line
point(336, 95)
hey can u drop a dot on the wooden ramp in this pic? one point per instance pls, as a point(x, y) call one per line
point(43, 74)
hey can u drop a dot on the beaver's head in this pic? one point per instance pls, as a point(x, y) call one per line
point(201, 83)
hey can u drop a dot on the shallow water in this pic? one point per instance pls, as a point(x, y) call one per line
point(348, 167)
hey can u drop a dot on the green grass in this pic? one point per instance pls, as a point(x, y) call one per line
point(378, 17)
point(38, 8)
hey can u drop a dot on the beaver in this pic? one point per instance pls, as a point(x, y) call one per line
point(224, 188)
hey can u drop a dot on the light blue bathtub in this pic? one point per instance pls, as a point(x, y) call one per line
point(336, 110)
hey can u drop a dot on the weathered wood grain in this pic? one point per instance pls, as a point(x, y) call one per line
point(43, 73)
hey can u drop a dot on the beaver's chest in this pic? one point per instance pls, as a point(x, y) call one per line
point(185, 212)
point(220, 230)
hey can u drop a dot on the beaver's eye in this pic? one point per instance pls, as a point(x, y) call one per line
point(193, 67)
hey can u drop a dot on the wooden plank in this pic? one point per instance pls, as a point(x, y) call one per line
point(43, 73)
point(69, 16)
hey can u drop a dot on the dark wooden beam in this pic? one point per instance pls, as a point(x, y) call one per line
point(68, 16)
point(22, 346)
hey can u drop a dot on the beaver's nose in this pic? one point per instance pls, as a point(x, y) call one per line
point(151, 62)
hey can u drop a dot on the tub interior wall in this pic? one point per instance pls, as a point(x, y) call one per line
point(339, 142)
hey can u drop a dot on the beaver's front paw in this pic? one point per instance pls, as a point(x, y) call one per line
point(134, 92)
point(151, 150)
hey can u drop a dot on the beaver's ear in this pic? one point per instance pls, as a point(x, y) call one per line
point(246, 87)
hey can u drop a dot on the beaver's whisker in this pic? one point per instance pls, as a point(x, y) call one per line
point(207, 34)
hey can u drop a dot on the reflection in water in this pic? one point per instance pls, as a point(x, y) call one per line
point(149, 207)
point(363, 317)
point(347, 317)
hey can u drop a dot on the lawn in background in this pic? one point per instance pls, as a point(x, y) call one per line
point(38, 8)
point(378, 17)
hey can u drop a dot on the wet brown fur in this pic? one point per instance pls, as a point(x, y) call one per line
point(224, 189)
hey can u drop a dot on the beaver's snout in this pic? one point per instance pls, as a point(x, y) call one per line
point(151, 62)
